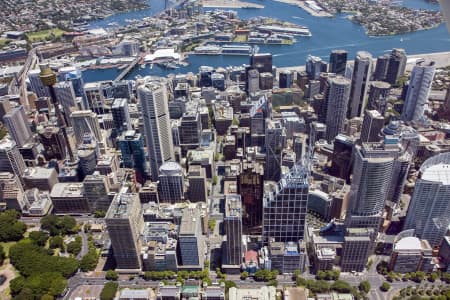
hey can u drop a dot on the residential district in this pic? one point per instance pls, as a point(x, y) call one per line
point(327, 181)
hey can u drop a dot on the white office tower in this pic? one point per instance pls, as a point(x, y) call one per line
point(371, 180)
point(10, 158)
point(171, 183)
point(429, 209)
point(362, 70)
point(418, 91)
point(85, 121)
point(153, 95)
point(36, 84)
point(337, 100)
point(16, 121)
point(253, 81)
point(285, 206)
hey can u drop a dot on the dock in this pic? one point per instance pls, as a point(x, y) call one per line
point(128, 69)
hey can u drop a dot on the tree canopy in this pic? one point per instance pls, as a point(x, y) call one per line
point(11, 229)
point(57, 225)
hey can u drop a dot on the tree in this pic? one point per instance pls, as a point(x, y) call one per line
point(74, 247)
point(244, 275)
point(111, 275)
point(109, 291)
point(432, 277)
point(89, 261)
point(39, 237)
point(211, 224)
point(406, 277)
point(10, 228)
point(215, 180)
point(382, 267)
point(364, 286)
point(341, 286)
point(56, 242)
point(100, 214)
point(317, 286)
point(57, 225)
point(300, 281)
point(385, 286)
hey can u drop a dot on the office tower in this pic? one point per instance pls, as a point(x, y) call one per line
point(285, 79)
point(66, 96)
point(378, 96)
point(285, 207)
point(362, 71)
point(197, 184)
point(314, 65)
point(274, 145)
point(205, 73)
point(96, 191)
point(233, 230)
point(121, 115)
point(171, 183)
point(411, 254)
point(43, 179)
point(250, 185)
point(372, 175)
point(262, 62)
point(131, 145)
point(122, 89)
point(429, 209)
point(338, 61)
point(36, 84)
point(218, 81)
point(68, 198)
point(10, 158)
point(190, 126)
point(5, 106)
point(87, 153)
point(299, 146)
point(418, 90)
point(341, 160)
point(152, 94)
point(252, 81)
point(400, 171)
point(190, 240)
point(124, 223)
point(371, 128)
point(302, 80)
point(266, 81)
point(358, 245)
point(338, 95)
point(381, 67)
point(85, 121)
point(53, 142)
point(396, 66)
point(317, 132)
point(96, 95)
point(16, 121)
point(75, 76)
point(12, 193)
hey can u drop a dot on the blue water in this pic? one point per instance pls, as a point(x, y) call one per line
point(327, 34)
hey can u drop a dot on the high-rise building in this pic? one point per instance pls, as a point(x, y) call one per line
point(152, 94)
point(190, 240)
point(285, 207)
point(36, 84)
point(10, 158)
point(66, 96)
point(266, 81)
point(338, 61)
point(338, 95)
point(250, 184)
point(131, 146)
point(396, 66)
point(381, 67)
point(418, 90)
point(233, 230)
point(373, 122)
point(429, 209)
point(358, 245)
point(121, 115)
point(315, 65)
point(5, 106)
point(190, 126)
point(342, 157)
point(96, 191)
point(362, 71)
point(378, 96)
point(12, 193)
point(75, 76)
point(274, 145)
point(87, 152)
point(85, 121)
point(16, 121)
point(43, 179)
point(252, 81)
point(124, 223)
point(262, 62)
point(171, 183)
point(52, 138)
point(371, 179)
point(285, 79)
point(68, 198)
point(96, 95)
point(197, 184)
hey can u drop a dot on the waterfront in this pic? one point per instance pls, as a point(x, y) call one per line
point(327, 34)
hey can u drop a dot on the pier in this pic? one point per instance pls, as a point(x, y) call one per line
point(128, 69)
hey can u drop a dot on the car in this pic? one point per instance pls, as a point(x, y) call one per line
point(2, 279)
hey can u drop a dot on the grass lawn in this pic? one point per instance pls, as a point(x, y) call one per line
point(43, 34)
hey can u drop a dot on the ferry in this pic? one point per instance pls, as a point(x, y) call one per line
point(239, 50)
point(208, 50)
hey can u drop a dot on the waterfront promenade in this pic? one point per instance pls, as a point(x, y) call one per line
point(229, 4)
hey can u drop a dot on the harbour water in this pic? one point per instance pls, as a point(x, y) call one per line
point(327, 34)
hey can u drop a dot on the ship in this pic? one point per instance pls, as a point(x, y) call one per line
point(296, 31)
point(239, 50)
point(208, 49)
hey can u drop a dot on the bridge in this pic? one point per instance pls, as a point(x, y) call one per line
point(128, 69)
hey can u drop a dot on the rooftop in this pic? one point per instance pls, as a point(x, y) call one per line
point(408, 243)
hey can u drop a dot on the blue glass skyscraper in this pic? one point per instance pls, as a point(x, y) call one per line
point(131, 146)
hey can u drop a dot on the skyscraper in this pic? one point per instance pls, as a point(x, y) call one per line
point(171, 183)
point(197, 184)
point(315, 65)
point(381, 67)
point(429, 209)
point(17, 123)
point(66, 96)
point(338, 61)
point(124, 223)
point(52, 138)
point(338, 95)
point(190, 126)
point(233, 230)
point(251, 187)
point(285, 207)
point(418, 91)
point(362, 70)
point(10, 158)
point(262, 62)
point(36, 84)
point(96, 191)
point(131, 145)
point(85, 121)
point(121, 115)
point(285, 80)
point(274, 144)
point(252, 81)
point(152, 94)
point(190, 239)
point(378, 96)
point(373, 122)
point(396, 66)
point(11, 192)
